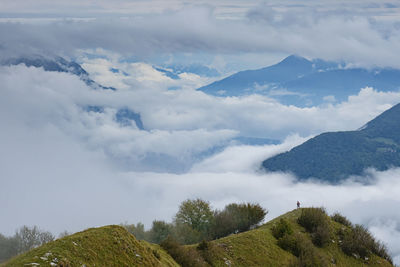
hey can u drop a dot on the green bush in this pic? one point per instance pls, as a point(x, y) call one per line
point(321, 236)
point(290, 243)
point(303, 249)
point(159, 231)
point(209, 251)
point(196, 214)
point(337, 217)
point(281, 229)
point(311, 218)
point(236, 218)
point(359, 241)
point(186, 257)
point(316, 222)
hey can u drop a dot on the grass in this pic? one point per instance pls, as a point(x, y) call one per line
point(114, 246)
point(104, 246)
point(259, 247)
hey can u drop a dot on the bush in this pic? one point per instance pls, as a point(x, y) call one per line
point(159, 231)
point(321, 236)
point(302, 248)
point(337, 217)
point(316, 222)
point(136, 230)
point(209, 251)
point(290, 243)
point(186, 234)
point(237, 218)
point(359, 241)
point(196, 214)
point(311, 218)
point(281, 229)
point(185, 257)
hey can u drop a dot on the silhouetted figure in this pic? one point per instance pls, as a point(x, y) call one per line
point(298, 204)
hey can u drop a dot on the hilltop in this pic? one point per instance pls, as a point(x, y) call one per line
point(114, 246)
point(259, 247)
point(105, 246)
point(334, 156)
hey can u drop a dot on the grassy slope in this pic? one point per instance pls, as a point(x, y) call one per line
point(114, 246)
point(104, 246)
point(258, 247)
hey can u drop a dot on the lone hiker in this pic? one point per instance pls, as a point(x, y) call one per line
point(298, 204)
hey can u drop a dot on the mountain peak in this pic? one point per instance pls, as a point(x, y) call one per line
point(295, 59)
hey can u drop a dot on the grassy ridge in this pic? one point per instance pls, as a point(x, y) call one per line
point(105, 246)
point(259, 247)
point(114, 246)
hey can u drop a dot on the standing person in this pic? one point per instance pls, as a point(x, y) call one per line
point(298, 204)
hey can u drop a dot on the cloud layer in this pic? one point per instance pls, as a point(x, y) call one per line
point(64, 167)
point(357, 33)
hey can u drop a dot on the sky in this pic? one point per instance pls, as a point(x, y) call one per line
point(64, 167)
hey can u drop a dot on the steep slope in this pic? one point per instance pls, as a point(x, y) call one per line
point(299, 81)
point(104, 246)
point(259, 247)
point(336, 155)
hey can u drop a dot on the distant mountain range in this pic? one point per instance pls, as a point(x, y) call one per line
point(335, 156)
point(57, 64)
point(124, 116)
point(302, 82)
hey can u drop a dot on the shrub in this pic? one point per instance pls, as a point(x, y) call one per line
point(223, 224)
point(237, 218)
point(303, 249)
point(290, 243)
point(196, 214)
point(359, 241)
point(337, 217)
point(316, 222)
point(311, 218)
point(186, 234)
point(136, 230)
point(321, 236)
point(159, 231)
point(281, 229)
point(209, 251)
point(185, 257)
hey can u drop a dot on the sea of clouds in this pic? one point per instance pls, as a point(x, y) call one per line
point(63, 167)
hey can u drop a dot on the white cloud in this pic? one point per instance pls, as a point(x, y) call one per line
point(337, 32)
point(59, 162)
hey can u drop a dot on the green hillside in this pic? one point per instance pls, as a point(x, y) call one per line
point(259, 247)
point(104, 246)
point(337, 243)
point(334, 156)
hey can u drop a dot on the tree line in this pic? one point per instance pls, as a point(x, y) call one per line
point(24, 239)
point(196, 221)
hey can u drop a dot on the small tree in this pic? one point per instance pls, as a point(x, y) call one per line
point(137, 230)
point(28, 238)
point(197, 214)
point(159, 231)
point(8, 247)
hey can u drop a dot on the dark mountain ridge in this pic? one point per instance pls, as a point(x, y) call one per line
point(334, 156)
